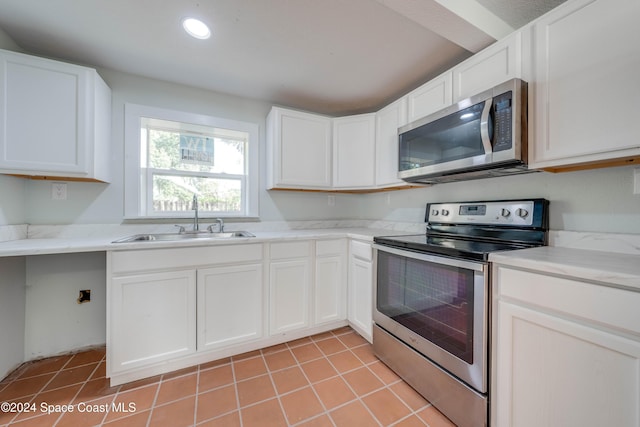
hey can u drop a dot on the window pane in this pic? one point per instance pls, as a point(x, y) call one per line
point(175, 194)
point(175, 146)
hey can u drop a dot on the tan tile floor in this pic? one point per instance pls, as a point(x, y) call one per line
point(331, 379)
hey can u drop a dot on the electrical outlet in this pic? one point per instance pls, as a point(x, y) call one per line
point(388, 199)
point(331, 200)
point(636, 181)
point(59, 191)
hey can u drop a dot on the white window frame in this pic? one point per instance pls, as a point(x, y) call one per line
point(135, 175)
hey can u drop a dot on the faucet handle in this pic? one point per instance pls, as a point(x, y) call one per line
point(219, 223)
point(181, 228)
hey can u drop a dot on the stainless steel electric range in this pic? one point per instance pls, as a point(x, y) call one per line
point(432, 304)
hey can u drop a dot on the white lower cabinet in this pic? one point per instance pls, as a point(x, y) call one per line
point(330, 285)
point(153, 318)
point(361, 288)
point(289, 286)
point(566, 352)
point(230, 305)
point(171, 308)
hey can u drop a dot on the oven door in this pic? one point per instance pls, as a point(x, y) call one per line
point(438, 306)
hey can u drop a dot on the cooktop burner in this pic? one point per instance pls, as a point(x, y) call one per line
point(473, 230)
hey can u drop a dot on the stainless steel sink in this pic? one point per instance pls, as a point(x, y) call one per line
point(183, 236)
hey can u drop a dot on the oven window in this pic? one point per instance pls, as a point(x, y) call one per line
point(432, 300)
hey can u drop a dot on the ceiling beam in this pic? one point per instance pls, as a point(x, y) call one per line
point(467, 24)
point(479, 16)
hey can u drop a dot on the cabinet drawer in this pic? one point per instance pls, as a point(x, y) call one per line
point(330, 247)
point(361, 250)
point(286, 250)
point(162, 259)
point(612, 307)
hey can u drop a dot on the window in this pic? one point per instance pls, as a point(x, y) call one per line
point(171, 156)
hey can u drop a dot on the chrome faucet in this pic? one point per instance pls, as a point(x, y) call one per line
point(196, 225)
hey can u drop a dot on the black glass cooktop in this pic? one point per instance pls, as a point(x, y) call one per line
point(449, 246)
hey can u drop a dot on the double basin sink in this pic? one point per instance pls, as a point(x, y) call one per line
point(167, 237)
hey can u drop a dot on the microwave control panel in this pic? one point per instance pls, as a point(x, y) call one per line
point(502, 121)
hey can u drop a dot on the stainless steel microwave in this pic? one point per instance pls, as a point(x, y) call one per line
point(479, 137)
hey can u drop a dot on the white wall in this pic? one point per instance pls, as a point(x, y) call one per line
point(55, 322)
point(12, 200)
point(103, 203)
point(12, 313)
point(598, 200)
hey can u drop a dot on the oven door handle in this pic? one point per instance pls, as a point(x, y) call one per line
point(469, 265)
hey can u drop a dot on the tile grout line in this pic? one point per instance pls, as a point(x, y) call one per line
point(348, 349)
point(155, 399)
point(35, 395)
point(235, 388)
point(299, 366)
point(79, 390)
point(358, 396)
point(197, 397)
point(273, 384)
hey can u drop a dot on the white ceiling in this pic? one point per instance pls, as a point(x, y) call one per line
point(329, 56)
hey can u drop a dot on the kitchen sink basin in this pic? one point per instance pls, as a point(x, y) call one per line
point(183, 236)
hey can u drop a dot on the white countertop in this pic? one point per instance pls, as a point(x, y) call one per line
point(44, 246)
point(615, 268)
point(605, 267)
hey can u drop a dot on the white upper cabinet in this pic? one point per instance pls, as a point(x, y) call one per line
point(55, 119)
point(388, 120)
point(496, 64)
point(354, 151)
point(586, 92)
point(432, 96)
point(298, 150)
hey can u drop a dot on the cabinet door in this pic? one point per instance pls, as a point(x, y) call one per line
point(434, 95)
point(552, 371)
point(354, 151)
point(230, 308)
point(496, 64)
point(361, 294)
point(290, 281)
point(388, 120)
point(330, 289)
point(152, 318)
point(299, 150)
point(43, 114)
point(587, 67)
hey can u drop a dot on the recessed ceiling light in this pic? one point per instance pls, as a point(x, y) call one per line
point(196, 28)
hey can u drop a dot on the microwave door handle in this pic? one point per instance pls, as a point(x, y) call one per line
point(484, 127)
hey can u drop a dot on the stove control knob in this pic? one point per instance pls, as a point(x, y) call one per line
point(434, 212)
point(522, 213)
point(505, 213)
point(445, 212)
